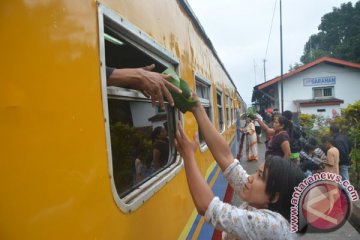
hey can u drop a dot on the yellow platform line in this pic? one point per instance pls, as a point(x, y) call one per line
point(194, 214)
point(202, 220)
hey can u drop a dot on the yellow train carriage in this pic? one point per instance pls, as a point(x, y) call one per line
point(76, 153)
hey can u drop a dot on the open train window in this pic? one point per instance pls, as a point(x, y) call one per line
point(140, 138)
point(203, 91)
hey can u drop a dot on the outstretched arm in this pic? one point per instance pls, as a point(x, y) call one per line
point(200, 191)
point(269, 131)
point(151, 84)
point(216, 143)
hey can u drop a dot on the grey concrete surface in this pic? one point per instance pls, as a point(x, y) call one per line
point(347, 232)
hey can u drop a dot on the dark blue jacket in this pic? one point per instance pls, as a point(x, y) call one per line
point(343, 144)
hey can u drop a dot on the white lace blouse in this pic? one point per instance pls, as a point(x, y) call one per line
point(245, 222)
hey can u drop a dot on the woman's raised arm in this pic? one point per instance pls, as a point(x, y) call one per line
point(216, 143)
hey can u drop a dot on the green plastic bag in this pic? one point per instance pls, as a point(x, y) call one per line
point(251, 112)
point(182, 101)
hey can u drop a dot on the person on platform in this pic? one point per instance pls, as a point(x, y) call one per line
point(267, 194)
point(251, 137)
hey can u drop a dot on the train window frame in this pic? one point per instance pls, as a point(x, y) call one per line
point(233, 111)
point(228, 110)
point(206, 102)
point(139, 195)
point(220, 112)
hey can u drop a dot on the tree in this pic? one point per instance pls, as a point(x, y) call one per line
point(349, 123)
point(339, 36)
point(295, 66)
point(316, 126)
point(307, 122)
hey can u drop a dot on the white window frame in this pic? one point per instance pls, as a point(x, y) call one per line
point(142, 41)
point(322, 90)
point(205, 102)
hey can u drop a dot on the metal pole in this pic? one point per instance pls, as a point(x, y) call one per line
point(264, 71)
point(281, 60)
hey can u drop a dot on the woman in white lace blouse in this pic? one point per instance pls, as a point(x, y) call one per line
point(266, 194)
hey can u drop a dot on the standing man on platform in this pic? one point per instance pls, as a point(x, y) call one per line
point(343, 144)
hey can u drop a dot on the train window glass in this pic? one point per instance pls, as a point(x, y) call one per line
point(220, 108)
point(203, 90)
point(233, 111)
point(228, 108)
point(140, 138)
point(140, 145)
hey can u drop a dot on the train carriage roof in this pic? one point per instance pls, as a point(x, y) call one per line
point(201, 30)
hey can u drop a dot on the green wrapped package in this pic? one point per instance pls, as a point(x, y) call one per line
point(251, 112)
point(182, 101)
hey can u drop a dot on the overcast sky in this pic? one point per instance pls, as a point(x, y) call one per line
point(239, 31)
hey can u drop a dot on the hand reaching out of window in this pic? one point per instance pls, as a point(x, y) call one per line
point(152, 84)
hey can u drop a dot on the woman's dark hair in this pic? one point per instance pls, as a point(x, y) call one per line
point(310, 145)
point(287, 114)
point(328, 139)
point(155, 133)
point(282, 176)
point(285, 122)
point(312, 141)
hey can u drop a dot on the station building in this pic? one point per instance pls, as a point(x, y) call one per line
point(324, 87)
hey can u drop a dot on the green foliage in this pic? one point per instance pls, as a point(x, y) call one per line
point(338, 37)
point(315, 126)
point(351, 115)
point(321, 122)
point(295, 66)
point(307, 121)
point(349, 123)
point(355, 154)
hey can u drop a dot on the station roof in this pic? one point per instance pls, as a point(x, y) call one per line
point(307, 66)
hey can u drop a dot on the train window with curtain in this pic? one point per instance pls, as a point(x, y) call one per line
point(140, 137)
point(220, 108)
point(203, 91)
